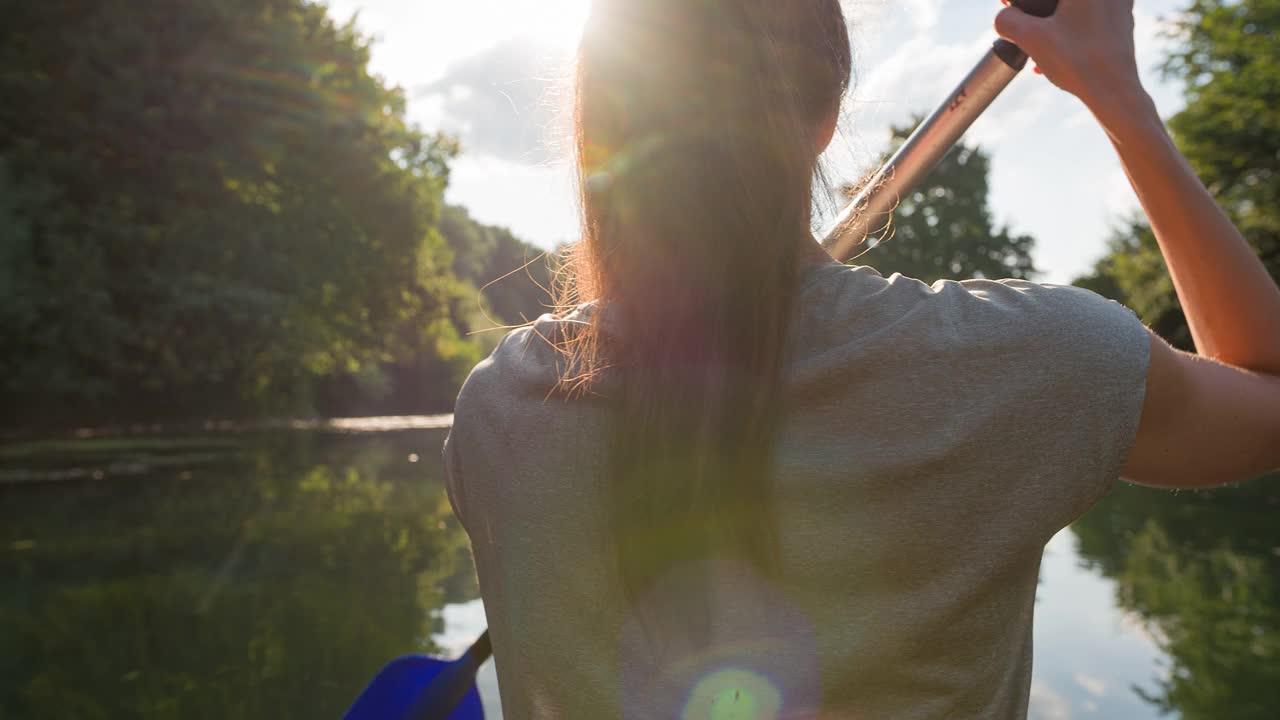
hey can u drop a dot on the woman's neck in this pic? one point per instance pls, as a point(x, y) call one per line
point(811, 254)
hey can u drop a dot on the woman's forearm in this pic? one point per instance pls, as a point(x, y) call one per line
point(1231, 303)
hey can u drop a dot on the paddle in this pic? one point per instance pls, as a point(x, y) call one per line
point(420, 687)
point(872, 207)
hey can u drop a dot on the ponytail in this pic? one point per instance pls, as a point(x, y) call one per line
point(695, 131)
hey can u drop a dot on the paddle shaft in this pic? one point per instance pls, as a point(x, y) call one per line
point(871, 208)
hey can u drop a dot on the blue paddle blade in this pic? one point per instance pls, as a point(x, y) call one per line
point(392, 692)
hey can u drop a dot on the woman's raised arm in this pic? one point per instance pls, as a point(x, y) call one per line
point(1215, 417)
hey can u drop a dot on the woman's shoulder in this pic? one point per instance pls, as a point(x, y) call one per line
point(527, 363)
point(1039, 313)
point(994, 304)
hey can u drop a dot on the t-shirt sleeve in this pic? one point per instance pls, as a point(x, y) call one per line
point(452, 477)
point(480, 433)
point(1069, 367)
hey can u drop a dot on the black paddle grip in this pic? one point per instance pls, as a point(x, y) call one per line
point(1011, 54)
point(1039, 8)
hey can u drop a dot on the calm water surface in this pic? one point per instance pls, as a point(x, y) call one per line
point(268, 574)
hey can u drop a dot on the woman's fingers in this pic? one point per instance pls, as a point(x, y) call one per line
point(1085, 48)
point(1019, 28)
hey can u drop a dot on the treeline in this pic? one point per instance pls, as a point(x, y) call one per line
point(212, 208)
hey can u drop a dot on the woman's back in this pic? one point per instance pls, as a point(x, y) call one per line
point(932, 440)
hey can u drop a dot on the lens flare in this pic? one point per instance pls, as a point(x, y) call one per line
point(733, 694)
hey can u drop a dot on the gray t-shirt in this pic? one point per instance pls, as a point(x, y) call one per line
point(934, 439)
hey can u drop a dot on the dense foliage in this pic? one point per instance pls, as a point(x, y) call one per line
point(513, 279)
point(213, 208)
point(1229, 63)
point(213, 200)
point(944, 228)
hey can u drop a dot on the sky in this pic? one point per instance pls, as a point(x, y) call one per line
point(494, 73)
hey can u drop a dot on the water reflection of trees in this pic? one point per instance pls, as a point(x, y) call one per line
point(1203, 571)
point(270, 586)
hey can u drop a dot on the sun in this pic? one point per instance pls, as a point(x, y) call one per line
point(416, 42)
point(559, 23)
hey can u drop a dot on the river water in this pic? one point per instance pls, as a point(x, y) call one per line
point(269, 572)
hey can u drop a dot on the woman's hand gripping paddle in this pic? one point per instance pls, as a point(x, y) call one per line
point(419, 687)
point(872, 208)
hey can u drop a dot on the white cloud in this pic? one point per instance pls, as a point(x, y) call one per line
point(1054, 174)
point(1152, 43)
point(537, 202)
point(1096, 687)
point(924, 14)
point(417, 40)
point(1046, 704)
point(506, 100)
point(1119, 199)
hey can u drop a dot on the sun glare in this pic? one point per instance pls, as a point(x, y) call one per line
point(559, 22)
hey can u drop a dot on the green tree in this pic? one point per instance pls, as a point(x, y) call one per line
point(209, 207)
point(1133, 272)
point(513, 277)
point(1229, 64)
point(496, 281)
point(944, 228)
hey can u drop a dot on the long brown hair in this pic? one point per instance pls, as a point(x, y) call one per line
point(696, 125)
